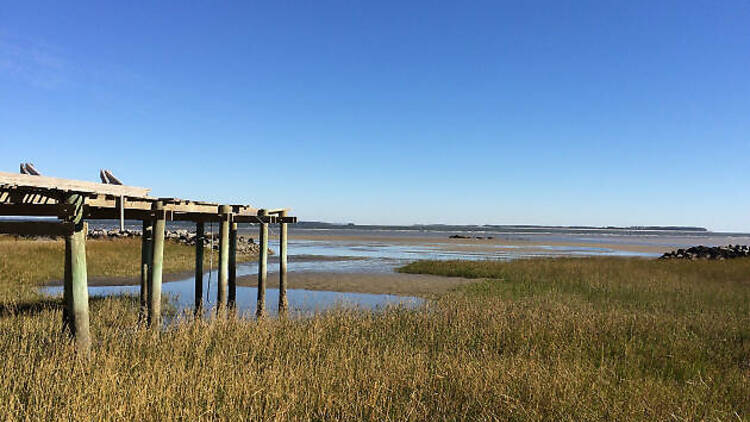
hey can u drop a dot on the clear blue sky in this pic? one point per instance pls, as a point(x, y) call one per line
point(549, 112)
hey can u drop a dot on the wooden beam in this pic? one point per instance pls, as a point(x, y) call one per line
point(114, 214)
point(68, 185)
point(140, 211)
point(254, 219)
point(277, 211)
point(41, 210)
point(36, 228)
point(170, 204)
point(110, 202)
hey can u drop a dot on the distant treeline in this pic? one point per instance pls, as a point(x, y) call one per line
point(492, 227)
point(497, 228)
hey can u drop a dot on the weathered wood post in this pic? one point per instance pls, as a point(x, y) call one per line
point(200, 234)
point(262, 265)
point(283, 302)
point(121, 205)
point(75, 290)
point(232, 302)
point(157, 265)
point(146, 242)
point(224, 217)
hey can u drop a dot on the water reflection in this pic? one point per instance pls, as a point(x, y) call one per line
point(301, 302)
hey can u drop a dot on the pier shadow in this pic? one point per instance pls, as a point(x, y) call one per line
point(36, 307)
point(26, 308)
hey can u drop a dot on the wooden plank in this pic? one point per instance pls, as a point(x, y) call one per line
point(36, 228)
point(114, 214)
point(54, 183)
point(102, 201)
point(178, 205)
point(15, 195)
point(42, 210)
point(277, 211)
point(254, 219)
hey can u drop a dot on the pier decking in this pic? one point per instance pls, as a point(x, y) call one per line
point(67, 204)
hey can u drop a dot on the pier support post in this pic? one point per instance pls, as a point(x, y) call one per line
point(262, 267)
point(200, 234)
point(224, 217)
point(75, 290)
point(283, 302)
point(232, 302)
point(157, 265)
point(146, 243)
point(121, 206)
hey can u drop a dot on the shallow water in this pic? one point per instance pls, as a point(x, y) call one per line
point(374, 256)
point(378, 257)
point(301, 302)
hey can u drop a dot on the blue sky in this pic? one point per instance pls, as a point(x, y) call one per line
point(559, 112)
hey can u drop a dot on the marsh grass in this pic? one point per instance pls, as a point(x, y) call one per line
point(562, 339)
point(25, 264)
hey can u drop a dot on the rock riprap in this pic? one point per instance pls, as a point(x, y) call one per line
point(709, 252)
point(245, 245)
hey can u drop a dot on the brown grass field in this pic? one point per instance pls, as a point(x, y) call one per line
point(548, 339)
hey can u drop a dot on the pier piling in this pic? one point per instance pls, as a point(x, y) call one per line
point(222, 291)
point(262, 266)
point(232, 301)
point(75, 290)
point(157, 265)
point(146, 239)
point(283, 301)
point(200, 234)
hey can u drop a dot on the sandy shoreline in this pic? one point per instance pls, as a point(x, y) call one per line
point(426, 286)
point(392, 282)
point(482, 245)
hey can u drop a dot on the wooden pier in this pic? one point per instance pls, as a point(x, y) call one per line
point(69, 203)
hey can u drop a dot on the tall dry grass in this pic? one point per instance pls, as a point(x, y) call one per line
point(24, 264)
point(577, 339)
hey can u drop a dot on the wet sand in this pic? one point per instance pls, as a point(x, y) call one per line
point(391, 282)
point(482, 245)
point(426, 286)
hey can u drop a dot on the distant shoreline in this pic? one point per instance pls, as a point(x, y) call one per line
point(497, 227)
